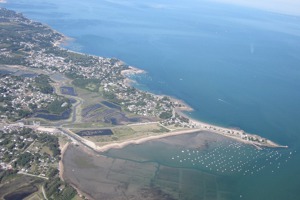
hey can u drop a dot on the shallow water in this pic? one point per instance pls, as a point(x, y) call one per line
point(133, 172)
point(193, 166)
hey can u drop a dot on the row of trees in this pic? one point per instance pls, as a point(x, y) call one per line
point(43, 83)
point(52, 142)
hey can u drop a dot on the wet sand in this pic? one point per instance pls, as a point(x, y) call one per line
point(142, 140)
point(60, 164)
point(102, 177)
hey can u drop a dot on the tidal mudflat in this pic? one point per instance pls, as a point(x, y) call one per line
point(137, 177)
point(201, 165)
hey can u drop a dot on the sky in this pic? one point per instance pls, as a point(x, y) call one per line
point(290, 7)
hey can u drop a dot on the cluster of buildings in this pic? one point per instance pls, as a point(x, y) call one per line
point(42, 52)
point(20, 94)
point(111, 80)
point(19, 145)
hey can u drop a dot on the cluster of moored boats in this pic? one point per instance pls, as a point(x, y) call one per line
point(234, 157)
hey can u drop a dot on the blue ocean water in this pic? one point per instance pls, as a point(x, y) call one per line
point(237, 67)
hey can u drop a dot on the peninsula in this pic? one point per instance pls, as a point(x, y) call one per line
point(51, 97)
point(107, 78)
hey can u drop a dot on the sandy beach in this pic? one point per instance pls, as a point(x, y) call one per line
point(142, 140)
point(60, 164)
point(200, 126)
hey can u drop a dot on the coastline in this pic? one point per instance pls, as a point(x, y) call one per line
point(180, 106)
point(203, 127)
point(147, 143)
point(143, 140)
point(134, 71)
point(61, 169)
point(126, 73)
point(60, 164)
point(176, 107)
point(63, 41)
point(233, 133)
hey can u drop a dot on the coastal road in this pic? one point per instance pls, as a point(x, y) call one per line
point(78, 140)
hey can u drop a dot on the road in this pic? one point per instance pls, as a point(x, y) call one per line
point(27, 174)
point(44, 193)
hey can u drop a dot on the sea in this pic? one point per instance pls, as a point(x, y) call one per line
point(235, 66)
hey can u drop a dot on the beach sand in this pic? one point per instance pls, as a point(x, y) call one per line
point(142, 140)
point(231, 133)
point(60, 164)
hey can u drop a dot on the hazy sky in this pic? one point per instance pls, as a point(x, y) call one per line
point(291, 7)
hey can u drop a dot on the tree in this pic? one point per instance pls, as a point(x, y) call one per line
point(42, 82)
point(165, 115)
point(24, 159)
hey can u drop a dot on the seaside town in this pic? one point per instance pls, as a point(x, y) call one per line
point(104, 75)
point(22, 96)
point(29, 44)
point(90, 72)
point(27, 152)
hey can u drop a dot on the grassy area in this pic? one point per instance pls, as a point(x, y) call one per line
point(87, 125)
point(122, 133)
point(46, 150)
point(77, 197)
point(88, 96)
point(154, 128)
point(37, 195)
point(173, 127)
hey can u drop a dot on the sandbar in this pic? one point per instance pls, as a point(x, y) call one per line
point(142, 140)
